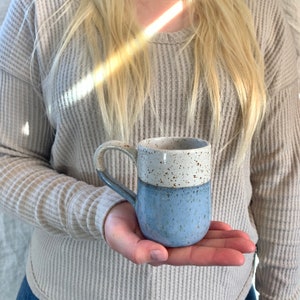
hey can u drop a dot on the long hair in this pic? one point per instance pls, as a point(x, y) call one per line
point(223, 36)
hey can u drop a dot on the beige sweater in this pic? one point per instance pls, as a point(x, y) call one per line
point(292, 12)
point(47, 177)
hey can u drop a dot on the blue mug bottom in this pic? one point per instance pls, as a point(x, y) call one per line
point(174, 217)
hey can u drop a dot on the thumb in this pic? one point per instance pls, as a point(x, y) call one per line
point(135, 248)
point(123, 234)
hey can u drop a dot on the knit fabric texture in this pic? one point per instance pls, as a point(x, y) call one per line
point(48, 180)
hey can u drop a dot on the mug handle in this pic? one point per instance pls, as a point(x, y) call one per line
point(114, 184)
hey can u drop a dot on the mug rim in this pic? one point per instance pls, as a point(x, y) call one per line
point(149, 143)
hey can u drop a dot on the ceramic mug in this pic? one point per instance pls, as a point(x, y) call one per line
point(172, 202)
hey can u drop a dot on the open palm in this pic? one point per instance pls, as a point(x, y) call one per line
point(221, 246)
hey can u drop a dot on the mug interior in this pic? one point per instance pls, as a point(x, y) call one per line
point(174, 143)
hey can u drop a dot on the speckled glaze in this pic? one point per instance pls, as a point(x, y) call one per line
point(172, 203)
point(174, 162)
point(174, 217)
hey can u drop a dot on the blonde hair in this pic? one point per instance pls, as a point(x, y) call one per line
point(223, 37)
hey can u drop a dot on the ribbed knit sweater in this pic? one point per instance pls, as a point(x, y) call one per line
point(47, 177)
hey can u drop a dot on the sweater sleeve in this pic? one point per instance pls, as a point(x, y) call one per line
point(292, 11)
point(30, 188)
point(276, 172)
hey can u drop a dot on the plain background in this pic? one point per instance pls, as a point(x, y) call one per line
point(3, 8)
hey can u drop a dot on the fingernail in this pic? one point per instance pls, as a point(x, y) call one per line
point(157, 255)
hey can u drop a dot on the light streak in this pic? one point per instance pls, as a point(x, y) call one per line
point(25, 129)
point(113, 63)
point(163, 20)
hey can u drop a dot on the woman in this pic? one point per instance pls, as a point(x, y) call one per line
point(77, 73)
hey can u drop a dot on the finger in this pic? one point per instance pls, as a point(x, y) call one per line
point(219, 234)
point(205, 256)
point(218, 225)
point(240, 244)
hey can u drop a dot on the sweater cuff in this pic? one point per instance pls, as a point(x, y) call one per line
point(109, 199)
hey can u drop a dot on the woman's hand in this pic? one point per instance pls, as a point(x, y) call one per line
point(221, 246)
